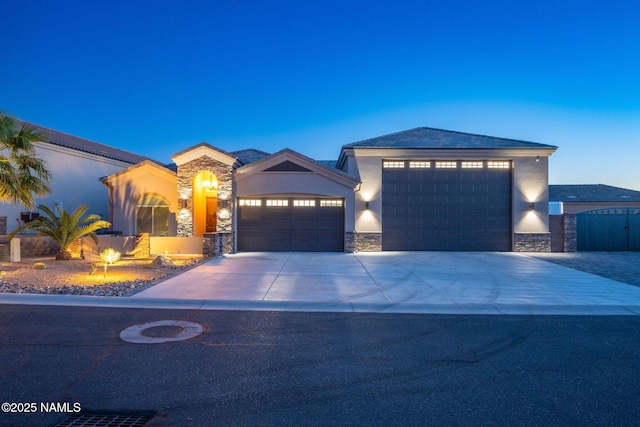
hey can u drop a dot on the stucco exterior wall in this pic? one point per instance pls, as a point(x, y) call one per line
point(531, 185)
point(76, 181)
point(128, 188)
point(369, 170)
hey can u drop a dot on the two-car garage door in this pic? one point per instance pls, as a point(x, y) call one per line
point(291, 224)
point(446, 205)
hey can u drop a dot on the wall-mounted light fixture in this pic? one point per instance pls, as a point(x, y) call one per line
point(366, 205)
point(210, 183)
point(537, 158)
point(184, 203)
point(532, 206)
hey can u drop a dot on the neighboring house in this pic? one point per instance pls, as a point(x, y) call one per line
point(606, 218)
point(573, 199)
point(76, 165)
point(421, 189)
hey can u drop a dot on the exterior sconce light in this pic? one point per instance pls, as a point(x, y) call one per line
point(537, 158)
point(211, 183)
point(184, 203)
point(224, 214)
point(532, 206)
point(366, 205)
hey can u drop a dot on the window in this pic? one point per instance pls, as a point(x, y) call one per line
point(250, 202)
point(152, 216)
point(392, 165)
point(304, 203)
point(419, 165)
point(472, 165)
point(446, 165)
point(331, 202)
point(499, 165)
point(277, 203)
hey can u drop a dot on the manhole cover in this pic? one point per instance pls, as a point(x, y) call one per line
point(107, 420)
point(161, 331)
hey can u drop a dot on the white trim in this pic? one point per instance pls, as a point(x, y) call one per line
point(200, 151)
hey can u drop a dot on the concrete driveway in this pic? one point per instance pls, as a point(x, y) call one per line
point(434, 282)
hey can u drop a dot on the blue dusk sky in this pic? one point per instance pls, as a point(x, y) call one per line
point(155, 77)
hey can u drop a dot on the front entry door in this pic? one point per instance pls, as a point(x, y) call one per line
point(212, 205)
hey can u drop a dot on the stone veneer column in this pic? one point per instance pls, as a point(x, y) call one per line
point(223, 173)
point(569, 226)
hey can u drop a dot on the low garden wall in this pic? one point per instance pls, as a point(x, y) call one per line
point(141, 246)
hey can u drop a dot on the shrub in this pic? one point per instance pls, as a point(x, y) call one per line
point(39, 266)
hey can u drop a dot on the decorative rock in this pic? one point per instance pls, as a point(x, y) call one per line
point(162, 261)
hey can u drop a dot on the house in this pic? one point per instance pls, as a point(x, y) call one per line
point(77, 165)
point(421, 189)
point(572, 199)
point(601, 217)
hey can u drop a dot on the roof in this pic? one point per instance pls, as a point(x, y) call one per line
point(62, 139)
point(330, 163)
point(306, 161)
point(144, 163)
point(250, 155)
point(424, 137)
point(203, 145)
point(592, 193)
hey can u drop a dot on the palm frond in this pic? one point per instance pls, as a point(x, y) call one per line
point(64, 228)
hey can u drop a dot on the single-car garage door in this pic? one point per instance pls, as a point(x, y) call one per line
point(446, 205)
point(291, 224)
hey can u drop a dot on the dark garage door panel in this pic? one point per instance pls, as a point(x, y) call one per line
point(291, 228)
point(450, 210)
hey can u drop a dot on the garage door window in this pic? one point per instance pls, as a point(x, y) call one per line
point(472, 165)
point(393, 165)
point(498, 165)
point(331, 203)
point(419, 165)
point(277, 203)
point(304, 203)
point(446, 165)
point(250, 202)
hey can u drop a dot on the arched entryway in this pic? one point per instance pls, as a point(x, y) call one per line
point(205, 203)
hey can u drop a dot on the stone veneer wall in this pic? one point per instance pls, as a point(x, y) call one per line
point(223, 173)
point(532, 242)
point(569, 225)
point(362, 242)
point(216, 244)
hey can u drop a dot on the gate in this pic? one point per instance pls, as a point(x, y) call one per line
point(614, 229)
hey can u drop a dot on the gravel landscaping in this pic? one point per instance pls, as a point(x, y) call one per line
point(87, 276)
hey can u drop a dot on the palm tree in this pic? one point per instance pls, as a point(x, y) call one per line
point(22, 175)
point(64, 229)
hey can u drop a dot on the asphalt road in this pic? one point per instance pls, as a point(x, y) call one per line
point(278, 368)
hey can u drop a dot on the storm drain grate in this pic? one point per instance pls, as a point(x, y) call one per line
point(106, 420)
